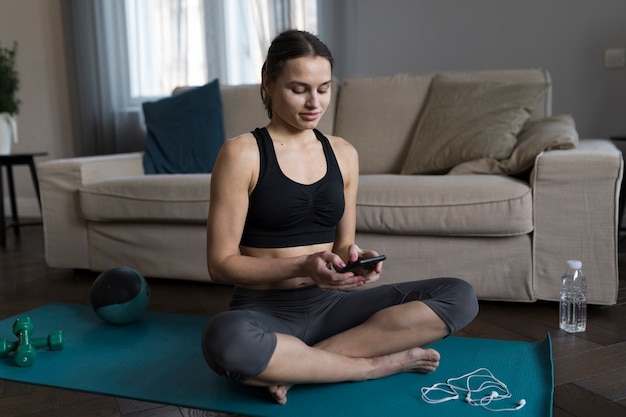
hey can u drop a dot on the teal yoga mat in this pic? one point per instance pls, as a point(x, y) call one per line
point(159, 359)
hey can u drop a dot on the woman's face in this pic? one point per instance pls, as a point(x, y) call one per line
point(301, 93)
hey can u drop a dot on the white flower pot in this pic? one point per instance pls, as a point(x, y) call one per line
point(8, 132)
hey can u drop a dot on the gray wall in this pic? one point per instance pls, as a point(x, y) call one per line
point(568, 38)
point(44, 121)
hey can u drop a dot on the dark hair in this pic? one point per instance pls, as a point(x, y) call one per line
point(288, 45)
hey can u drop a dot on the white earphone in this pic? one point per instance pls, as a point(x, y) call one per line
point(520, 404)
point(450, 391)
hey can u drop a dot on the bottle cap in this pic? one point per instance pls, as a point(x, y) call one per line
point(574, 264)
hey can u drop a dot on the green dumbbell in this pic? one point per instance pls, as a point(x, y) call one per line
point(25, 353)
point(54, 341)
point(26, 346)
point(6, 347)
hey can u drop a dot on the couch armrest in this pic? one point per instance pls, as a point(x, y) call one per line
point(576, 194)
point(65, 231)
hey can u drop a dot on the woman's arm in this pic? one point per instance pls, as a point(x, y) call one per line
point(348, 160)
point(234, 176)
point(345, 236)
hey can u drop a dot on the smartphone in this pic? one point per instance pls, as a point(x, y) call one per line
point(367, 263)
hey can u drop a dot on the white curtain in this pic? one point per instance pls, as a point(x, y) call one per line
point(125, 52)
point(166, 45)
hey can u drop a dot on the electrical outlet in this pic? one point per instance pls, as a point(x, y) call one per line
point(614, 58)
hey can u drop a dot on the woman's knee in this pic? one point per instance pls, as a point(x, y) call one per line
point(464, 294)
point(463, 297)
point(454, 300)
point(237, 346)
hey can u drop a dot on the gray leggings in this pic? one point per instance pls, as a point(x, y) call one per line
point(239, 343)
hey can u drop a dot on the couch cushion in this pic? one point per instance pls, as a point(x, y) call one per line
point(378, 116)
point(162, 198)
point(466, 120)
point(465, 205)
point(550, 133)
point(518, 76)
point(184, 131)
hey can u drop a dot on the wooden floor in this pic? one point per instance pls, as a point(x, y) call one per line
point(590, 368)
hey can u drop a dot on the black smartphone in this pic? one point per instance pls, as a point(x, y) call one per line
point(367, 263)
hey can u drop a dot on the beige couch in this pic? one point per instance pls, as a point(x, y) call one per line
point(509, 237)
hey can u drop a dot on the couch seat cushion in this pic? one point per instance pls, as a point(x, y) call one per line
point(163, 198)
point(464, 205)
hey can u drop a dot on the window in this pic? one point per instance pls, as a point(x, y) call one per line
point(127, 52)
point(190, 42)
point(166, 45)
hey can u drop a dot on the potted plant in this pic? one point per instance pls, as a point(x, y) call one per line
point(9, 103)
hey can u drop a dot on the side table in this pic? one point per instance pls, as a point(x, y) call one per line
point(9, 161)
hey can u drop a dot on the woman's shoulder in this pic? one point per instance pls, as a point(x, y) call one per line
point(243, 140)
point(341, 146)
point(239, 152)
point(346, 155)
point(244, 145)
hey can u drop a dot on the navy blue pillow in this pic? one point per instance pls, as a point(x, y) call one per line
point(184, 131)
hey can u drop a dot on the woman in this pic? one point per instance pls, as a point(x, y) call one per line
point(281, 224)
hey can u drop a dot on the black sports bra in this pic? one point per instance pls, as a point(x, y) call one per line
point(283, 213)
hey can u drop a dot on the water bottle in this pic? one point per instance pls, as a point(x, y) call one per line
point(573, 308)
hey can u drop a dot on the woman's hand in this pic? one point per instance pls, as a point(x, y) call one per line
point(322, 267)
point(370, 274)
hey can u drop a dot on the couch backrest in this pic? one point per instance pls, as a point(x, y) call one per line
point(378, 115)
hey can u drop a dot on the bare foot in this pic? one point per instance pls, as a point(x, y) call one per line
point(279, 392)
point(411, 360)
point(424, 360)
